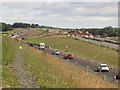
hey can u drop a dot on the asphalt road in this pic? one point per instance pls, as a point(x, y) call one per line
point(110, 45)
point(82, 63)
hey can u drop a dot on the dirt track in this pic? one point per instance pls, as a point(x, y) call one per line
point(24, 77)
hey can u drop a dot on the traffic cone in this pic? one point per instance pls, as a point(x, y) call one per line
point(114, 78)
point(104, 77)
point(76, 62)
point(99, 72)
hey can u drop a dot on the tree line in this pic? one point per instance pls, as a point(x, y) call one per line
point(7, 27)
point(106, 31)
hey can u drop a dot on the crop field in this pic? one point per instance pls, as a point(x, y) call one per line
point(48, 71)
point(81, 49)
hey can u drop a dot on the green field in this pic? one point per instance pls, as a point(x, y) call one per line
point(83, 49)
point(48, 71)
point(8, 54)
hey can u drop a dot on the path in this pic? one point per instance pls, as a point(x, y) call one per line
point(24, 77)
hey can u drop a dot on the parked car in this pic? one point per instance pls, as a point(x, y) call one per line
point(56, 52)
point(103, 67)
point(118, 76)
point(68, 56)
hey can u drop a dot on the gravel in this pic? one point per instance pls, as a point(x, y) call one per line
point(26, 80)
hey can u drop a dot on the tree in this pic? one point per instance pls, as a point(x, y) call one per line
point(34, 26)
point(5, 27)
point(21, 25)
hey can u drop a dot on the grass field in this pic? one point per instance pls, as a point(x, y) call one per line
point(49, 71)
point(8, 54)
point(83, 49)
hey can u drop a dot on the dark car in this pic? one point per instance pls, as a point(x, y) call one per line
point(118, 76)
point(30, 44)
point(68, 56)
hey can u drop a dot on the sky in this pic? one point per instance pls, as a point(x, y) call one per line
point(73, 14)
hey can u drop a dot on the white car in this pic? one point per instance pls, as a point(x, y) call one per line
point(42, 46)
point(103, 67)
point(56, 52)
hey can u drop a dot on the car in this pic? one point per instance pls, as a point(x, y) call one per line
point(42, 46)
point(68, 56)
point(118, 76)
point(103, 67)
point(56, 52)
point(30, 44)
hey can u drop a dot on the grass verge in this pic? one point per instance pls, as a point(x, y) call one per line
point(8, 54)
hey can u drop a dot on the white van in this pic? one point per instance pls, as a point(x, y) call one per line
point(42, 46)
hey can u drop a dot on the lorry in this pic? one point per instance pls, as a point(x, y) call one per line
point(42, 46)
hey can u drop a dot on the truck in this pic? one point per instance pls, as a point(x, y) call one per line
point(42, 46)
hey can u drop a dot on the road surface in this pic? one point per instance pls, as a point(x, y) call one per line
point(110, 45)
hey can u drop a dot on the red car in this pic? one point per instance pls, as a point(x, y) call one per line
point(68, 56)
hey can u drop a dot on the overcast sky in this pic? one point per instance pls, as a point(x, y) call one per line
point(62, 14)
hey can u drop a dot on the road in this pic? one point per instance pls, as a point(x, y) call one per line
point(110, 45)
point(82, 63)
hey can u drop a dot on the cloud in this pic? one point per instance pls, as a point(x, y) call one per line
point(70, 14)
point(104, 11)
point(59, 1)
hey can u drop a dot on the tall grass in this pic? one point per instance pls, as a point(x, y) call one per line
point(8, 50)
point(8, 55)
